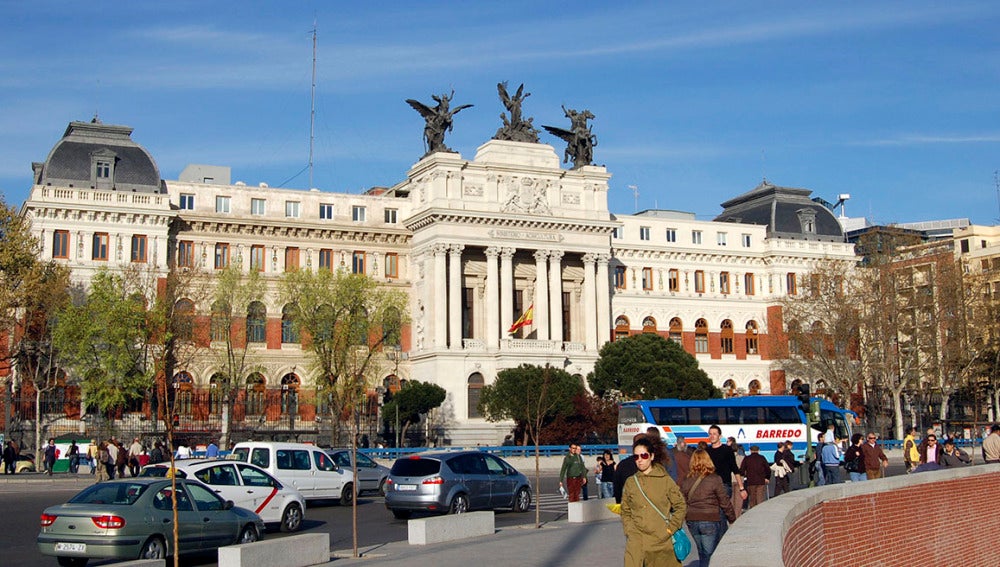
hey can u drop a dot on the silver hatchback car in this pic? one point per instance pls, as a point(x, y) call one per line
point(455, 482)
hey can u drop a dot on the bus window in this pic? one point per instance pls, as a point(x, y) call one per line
point(630, 415)
point(840, 428)
point(745, 416)
point(786, 414)
point(669, 416)
point(705, 416)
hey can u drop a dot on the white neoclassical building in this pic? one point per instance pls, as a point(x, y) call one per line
point(474, 242)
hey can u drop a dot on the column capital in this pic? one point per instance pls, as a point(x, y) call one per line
point(589, 259)
point(493, 251)
point(507, 253)
point(603, 258)
point(439, 249)
point(456, 249)
point(556, 255)
point(541, 255)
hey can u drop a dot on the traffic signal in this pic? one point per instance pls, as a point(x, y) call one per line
point(814, 412)
point(804, 400)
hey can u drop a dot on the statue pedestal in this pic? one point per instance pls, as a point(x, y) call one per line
point(520, 154)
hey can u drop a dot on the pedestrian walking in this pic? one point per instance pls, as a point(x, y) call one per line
point(50, 453)
point(991, 445)
point(74, 457)
point(682, 457)
point(756, 472)
point(724, 459)
point(111, 458)
point(708, 505)
point(573, 473)
point(9, 458)
point(605, 473)
point(910, 454)
point(625, 469)
point(830, 457)
point(92, 453)
point(134, 451)
point(953, 456)
point(874, 457)
point(929, 450)
point(784, 464)
point(854, 461)
point(653, 508)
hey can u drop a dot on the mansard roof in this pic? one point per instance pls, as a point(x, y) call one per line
point(787, 212)
point(71, 161)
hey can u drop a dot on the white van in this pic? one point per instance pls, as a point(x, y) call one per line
point(306, 467)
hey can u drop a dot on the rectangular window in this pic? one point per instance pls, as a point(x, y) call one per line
point(673, 280)
point(699, 281)
point(138, 247)
point(326, 259)
point(291, 259)
point(391, 265)
point(185, 254)
point(390, 216)
point(326, 211)
point(358, 213)
point(257, 257)
point(964, 245)
point(746, 240)
point(727, 345)
point(468, 311)
point(258, 207)
point(721, 238)
point(724, 282)
point(695, 237)
point(292, 209)
point(790, 283)
point(618, 233)
point(671, 235)
point(222, 204)
point(100, 246)
point(619, 277)
point(748, 284)
point(60, 244)
point(103, 170)
point(701, 343)
point(647, 279)
point(643, 233)
point(358, 263)
point(221, 256)
point(187, 202)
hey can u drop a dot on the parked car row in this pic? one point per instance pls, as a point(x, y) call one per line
point(226, 501)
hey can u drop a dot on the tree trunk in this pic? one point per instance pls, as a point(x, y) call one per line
point(897, 412)
point(943, 411)
point(39, 451)
point(224, 434)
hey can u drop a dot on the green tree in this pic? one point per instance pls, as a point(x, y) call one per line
point(647, 366)
point(413, 399)
point(104, 338)
point(234, 295)
point(530, 396)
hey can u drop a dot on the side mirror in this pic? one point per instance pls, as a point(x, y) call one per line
point(228, 505)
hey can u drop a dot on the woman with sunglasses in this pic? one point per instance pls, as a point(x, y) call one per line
point(652, 510)
point(705, 496)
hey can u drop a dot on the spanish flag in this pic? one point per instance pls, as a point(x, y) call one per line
point(526, 319)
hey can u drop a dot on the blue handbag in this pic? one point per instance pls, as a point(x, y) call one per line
point(682, 543)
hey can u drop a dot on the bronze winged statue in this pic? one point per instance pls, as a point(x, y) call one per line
point(515, 129)
point(438, 120)
point(580, 141)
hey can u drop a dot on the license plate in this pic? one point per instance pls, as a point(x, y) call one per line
point(406, 487)
point(74, 547)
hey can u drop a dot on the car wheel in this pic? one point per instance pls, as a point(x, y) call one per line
point(347, 496)
point(154, 548)
point(291, 519)
point(381, 487)
point(522, 500)
point(72, 561)
point(402, 514)
point(459, 504)
point(249, 534)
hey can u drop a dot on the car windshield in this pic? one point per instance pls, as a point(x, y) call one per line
point(239, 454)
point(115, 493)
point(416, 467)
point(159, 472)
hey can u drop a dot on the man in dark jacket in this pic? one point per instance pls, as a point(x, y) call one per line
point(50, 456)
point(626, 468)
point(757, 472)
point(156, 455)
point(9, 458)
point(783, 484)
point(724, 459)
point(573, 473)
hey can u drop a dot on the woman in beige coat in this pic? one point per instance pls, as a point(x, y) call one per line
point(648, 534)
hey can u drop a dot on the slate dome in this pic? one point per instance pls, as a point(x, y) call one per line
point(786, 211)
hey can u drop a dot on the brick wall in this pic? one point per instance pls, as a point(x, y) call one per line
point(927, 524)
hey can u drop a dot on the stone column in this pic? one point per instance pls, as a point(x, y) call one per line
point(506, 290)
point(491, 306)
point(439, 308)
point(555, 295)
point(455, 297)
point(603, 300)
point(541, 316)
point(589, 302)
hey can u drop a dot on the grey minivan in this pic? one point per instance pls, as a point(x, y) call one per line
point(454, 482)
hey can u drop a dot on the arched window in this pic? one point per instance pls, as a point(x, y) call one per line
point(475, 389)
point(255, 394)
point(754, 387)
point(289, 324)
point(621, 327)
point(53, 399)
point(727, 336)
point(701, 336)
point(649, 325)
point(289, 394)
point(221, 321)
point(793, 338)
point(324, 323)
point(729, 388)
point(184, 320)
point(751, 337)
point(818, 338)
point(676, 330)
point(183, 393)
point(256, 320)
point(359, 327)
point(216, 387)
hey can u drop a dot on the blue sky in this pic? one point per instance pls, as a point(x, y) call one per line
point(896, 103)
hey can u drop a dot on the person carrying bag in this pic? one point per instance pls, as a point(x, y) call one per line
point(653, 511)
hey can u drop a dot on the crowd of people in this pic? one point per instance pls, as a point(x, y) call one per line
point(708, 486)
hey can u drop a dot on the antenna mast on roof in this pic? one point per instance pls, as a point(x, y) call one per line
point(635, 193)
point(312, 109)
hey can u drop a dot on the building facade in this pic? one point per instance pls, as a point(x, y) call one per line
point(474, 243)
